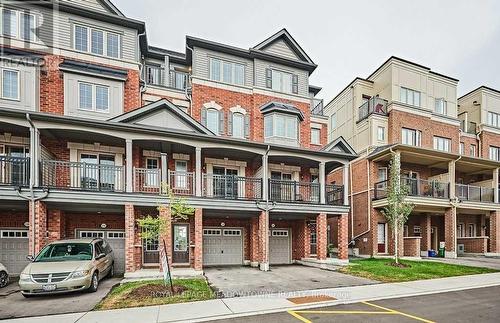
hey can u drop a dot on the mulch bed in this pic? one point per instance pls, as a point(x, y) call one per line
point(156, 291)
point(400, 265)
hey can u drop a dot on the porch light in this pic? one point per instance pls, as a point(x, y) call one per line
point(222, 224)
point(26, 224)
point(273, 225)
point(103, 225)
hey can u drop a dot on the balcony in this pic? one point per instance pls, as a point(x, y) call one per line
point(294, 192)
point(334, 194)
point(474, 193)
point(150, 181)
point(416, 187)
point(155, 75)
point(14, 171)
point(317, 107)
point(374, 105)
point(232, 187)
point(82, 176)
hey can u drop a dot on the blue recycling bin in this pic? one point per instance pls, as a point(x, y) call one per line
point(431, 253)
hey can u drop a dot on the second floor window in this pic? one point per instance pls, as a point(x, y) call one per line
point(10, 84)
point(96, 41)
point(410, 97)
point(213, 120)
point(280, 125)
point(442, 144)
point(17, 24)
point(473, 150)
point(315, 136)
point(462, 148)
point(227, 72)
point(411, 137)
point(380, 133)
point(440, 106)
point(238, 125)
point(93, 97)
point(493, 119)
point(333, 121)
point(495, 153)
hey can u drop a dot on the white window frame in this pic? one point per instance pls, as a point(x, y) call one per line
point(104, 41)
point(494, 153)
point(23, 234)
point(417, 229)
point(381, 133)
point(217, 122)
point(94, 97)
point(473, 150)
point(231, 232)
point(473, 233)
point(315, 136)
point(286, 117)
point(440, 106)
point(415, 134)
point(461, 230)
point(442, 143)
point(410, 93)
point(279, 233)
point(333, 121)
point(18, 84)
point(238, 114)
point(221, 71)
point(385, 171)
point(19, 26)
point(93, 234)
point(280, 87)
point(212, 232)
point(115, 235)
point(493, 119)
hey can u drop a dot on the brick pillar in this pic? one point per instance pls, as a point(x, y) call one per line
point(495, 232)
point(450, 229)
point(130, 263)
point(198, 239)
point(321, 236)
point(56, 225)
point(425, 227)
point(343, 236)
point(38, 227)
point(263, 241)
point(164, 212)
point(254, 242)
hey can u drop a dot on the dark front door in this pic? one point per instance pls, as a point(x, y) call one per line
point(180, 243)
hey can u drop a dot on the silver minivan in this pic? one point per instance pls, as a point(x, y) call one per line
point(67, 266)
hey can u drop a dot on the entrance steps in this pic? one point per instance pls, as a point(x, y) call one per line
point(151, 274)
point(328, 264)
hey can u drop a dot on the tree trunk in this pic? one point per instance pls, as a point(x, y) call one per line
point(396, 247)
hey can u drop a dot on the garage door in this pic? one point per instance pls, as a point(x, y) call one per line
point(116, 240)
point(279, 246)
point(222, 246)
point(14, 249)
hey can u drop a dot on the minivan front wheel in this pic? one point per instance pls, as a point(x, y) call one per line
point(94, 284)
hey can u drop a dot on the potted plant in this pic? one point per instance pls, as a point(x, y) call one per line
point(331, 251)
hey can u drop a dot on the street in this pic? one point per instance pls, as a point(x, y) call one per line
point(475, 305)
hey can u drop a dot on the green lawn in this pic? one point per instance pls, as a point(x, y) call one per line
point(146, 293)
point(378, 269)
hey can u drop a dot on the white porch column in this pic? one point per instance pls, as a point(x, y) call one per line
point(345, 181)
point(322, 180)
point(34, 157)
point(265, 176)
point(198, 173)
point(128, 166)
point(164, 169)
point(451, 175)
point(495, 185)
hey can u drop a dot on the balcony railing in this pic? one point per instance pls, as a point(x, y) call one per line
point(155, 75)
point(83, 176)
point(14, 171)
point(293, 192)
point(468, 127)
point(374, 105)
point(181, 183)
point(317, 107)
point(147, 180)
point(474, 193)
point(334, 194)
point(416, 187)
point(232, 187)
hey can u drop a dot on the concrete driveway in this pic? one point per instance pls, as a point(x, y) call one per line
point(247, 281)
point(14, 305)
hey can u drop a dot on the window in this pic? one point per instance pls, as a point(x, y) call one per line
point(440, 106)
point(410, 97)
point(9, 23)
point(101, 42)
point(18, 24)
point(14, 233)
point(227, 72)
point(93, 97)
point(153, 74)
point(472, 150)
point(280, 125)
point(461, 230)
point(315, 136)
point(462, 148)
point(380, 133)
point(10, 84)
point(238, 125)
point(442, 144)
point(27, 30)
point(495, 153)
point(333, 121)
point(213, 120)
point(471, 230)
point(411, 137)
point(417, 229)
point(493, 119)
point(282, 81)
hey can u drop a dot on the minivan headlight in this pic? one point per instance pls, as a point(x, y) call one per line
point(80, 273)
point(24, 277)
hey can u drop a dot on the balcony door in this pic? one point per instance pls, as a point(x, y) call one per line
point(14, 171)
point(180, 179)
point(410, 178)
point(282, 187)
point(225, 182)
point(152, 171)
point(315, 188)
point(98, 172)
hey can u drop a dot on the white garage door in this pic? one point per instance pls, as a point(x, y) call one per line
point(279, 246)
point(116, 240)
point(14, 249)
point(222, 246)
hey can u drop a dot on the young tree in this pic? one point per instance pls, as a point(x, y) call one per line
point(397, 210)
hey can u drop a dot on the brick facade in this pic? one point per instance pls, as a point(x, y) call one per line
point(450, 225)
point(411, 246)
point(474, 244)
point(38, 227)
point(130, 261)
point(198, 239)
point(343, 236)
point(488, 139)
point(495, 232)
point(321, 234)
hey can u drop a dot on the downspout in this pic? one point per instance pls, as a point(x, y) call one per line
point(142, 81)
point(368, 209)
point(266, 207)
point(186, 93)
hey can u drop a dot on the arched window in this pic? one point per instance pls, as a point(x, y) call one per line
point(213, 120)
point(238, 125)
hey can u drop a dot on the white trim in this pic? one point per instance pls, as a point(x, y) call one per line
point(22, 232)
point(177, 156)
point(212, 232)
point(212, 105)
point(89, 40)
point(238, 109)
point(18, 98)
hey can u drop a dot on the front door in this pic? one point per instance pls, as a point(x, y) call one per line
point(313, 238)
point(150, 253)
point(181, 243)
point(381, 238)
point(434, 238)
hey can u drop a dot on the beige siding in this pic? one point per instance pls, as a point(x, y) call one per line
point(260, 75)
point(91, 4)
point(28, 86)
point(280, 48)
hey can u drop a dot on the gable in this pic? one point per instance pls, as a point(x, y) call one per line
point(282, 44)
point(339, 145)
point(281, 48)
point(164, 119)
point(97, 5)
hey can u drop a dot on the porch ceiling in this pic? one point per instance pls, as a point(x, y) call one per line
point(82, 137)
point(86, 208)
point(291, 160)
point(14, 129)
point(419, 158)
point(164, 146)
point(228, 214)
point(11, 205)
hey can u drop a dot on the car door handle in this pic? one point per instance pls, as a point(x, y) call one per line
point(222, 251)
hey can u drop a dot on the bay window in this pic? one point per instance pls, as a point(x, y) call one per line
point(280, 125)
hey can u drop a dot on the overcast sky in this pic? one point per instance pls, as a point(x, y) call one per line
point(346, 38)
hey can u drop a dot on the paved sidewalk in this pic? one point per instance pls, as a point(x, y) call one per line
point(242, 306)
point(474, 261)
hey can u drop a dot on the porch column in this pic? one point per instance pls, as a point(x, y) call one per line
point(450, 232)
point(345, 175)
point(495, 232)
point(165, 180)
point(37, 227)
point(343, 236)
point(264, 240)
point(254, 242)
point(265, 176)
point(130, 261)
point(495, 185)
point(451, 175)
point(34, 172)
point(425, 227)
point(198, 239)
point(56, 225)
point(164, 212)
point(322, 179)
point(321, 236)
point(128, 166)
point(198, 173)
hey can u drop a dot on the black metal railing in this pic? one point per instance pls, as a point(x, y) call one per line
point(181, 183)
point(474, 193)
point(232, 187)
point(14, 171)
point(294, 192)
point(317, 107)
point(415, 187)
point(374, 105)
point(334, 194)
point(84, 176)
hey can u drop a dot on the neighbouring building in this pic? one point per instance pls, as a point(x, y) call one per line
point(449, 154)
point(93, 120)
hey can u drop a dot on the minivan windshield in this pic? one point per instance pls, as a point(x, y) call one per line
point(65, 252)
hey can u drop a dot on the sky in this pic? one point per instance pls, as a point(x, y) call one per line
point(346, 39)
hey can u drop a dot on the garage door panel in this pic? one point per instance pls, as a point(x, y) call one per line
point(222, 246)
point(279, 246)
point(14, 249)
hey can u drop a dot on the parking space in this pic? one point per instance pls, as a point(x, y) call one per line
point(245, 281)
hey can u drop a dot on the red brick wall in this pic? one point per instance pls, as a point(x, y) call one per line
point(468, 141)
point(52, 86)
point(132, 92)
point(488, 139)
point(92, 221)
point(412, 247)
point(474, 245)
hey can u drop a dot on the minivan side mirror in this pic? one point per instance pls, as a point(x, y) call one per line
point(99, 256)
point(30, 258)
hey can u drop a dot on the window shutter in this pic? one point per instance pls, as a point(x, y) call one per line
point(247, 126)
point(269, 78)
point(229, 123)
point(221, 122)
point(295, 84)
point(204, 116)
